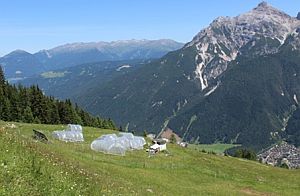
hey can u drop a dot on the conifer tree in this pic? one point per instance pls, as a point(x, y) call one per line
point(36, 120)
point(2, 85)
point(2, 78)
point(5, 115)
point(27, 115)
point(53, 109)
point(15, 108)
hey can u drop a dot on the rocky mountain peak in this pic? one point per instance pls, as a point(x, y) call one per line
point(263, 5)
point(220, 43)
point(267, 9)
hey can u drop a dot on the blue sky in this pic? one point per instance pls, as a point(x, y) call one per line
point(32, 25)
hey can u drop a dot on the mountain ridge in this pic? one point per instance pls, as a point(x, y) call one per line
point(79, 53)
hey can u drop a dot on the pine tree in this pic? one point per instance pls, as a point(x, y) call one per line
point(67, 113)
point(5, 115)
point(99, 122)
point(1, 105)
point(27, 115)
point(86, 118)
point(36, 120)
point(111, 124)
point(2, 85)
point(2, 78)
point(54, 115)
point(15, 108)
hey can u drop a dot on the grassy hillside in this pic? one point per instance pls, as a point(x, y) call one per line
point(217, 148)
point(58, 168)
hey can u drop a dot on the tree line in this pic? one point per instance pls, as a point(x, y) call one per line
point(30, 105)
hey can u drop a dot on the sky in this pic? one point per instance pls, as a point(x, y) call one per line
point(33, 25)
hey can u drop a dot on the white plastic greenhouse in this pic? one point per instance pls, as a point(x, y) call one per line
point(118, 145)
point(73, 133)
point(72, 127)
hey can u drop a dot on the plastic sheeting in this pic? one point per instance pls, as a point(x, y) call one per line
point(72, 127)
point(73, 133)
point(118, 145)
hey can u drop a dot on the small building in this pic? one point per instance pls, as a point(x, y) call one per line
point(159, 145)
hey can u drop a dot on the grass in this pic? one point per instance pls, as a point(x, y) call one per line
point(59, 168)
point(216, 148)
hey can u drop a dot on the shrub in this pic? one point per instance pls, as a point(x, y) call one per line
point(245, 154)
point(173, 139)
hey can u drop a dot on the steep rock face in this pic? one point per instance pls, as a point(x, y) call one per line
point(220, 43)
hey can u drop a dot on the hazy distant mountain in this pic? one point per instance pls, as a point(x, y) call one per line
point(73, 82)
point(23, 64)
point(237, 81)
point(19, 63)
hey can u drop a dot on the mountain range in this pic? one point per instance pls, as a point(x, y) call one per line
point(236, 81)
point(19, 64)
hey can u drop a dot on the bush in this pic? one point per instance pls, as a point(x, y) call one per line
point(284, 165)
point(245, 154)
point(173, 139)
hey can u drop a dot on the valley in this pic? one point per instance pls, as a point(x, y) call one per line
point(236, 82)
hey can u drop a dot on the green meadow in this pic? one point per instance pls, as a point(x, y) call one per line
point(217, 148)
point(29, 167)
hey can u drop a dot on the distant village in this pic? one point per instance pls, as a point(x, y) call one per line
point(282, 155)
